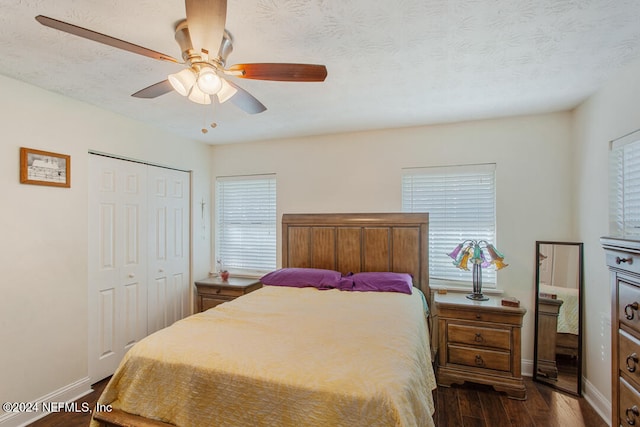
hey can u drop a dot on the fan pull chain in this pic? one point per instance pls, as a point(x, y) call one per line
point(213, 124)
point(213, 104)
point(204, 121)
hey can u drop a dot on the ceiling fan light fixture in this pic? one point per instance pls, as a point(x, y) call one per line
point(226, 91)
point(199, 96)
point(208, 81)
point(183, 81)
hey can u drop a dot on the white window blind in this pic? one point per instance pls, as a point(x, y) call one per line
point(624, 186)
point(460, 201)
point(246, 223)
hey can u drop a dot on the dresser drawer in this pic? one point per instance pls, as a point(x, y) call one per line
point(624, 260)
point(629, 404)
point(479, 336)
point(629, 304)
point(480, 358)
point(629, 356)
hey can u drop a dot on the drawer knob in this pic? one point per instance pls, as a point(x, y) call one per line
point(632, 362)
point(478, 316)
point(634, 412)
point(623, 260)
point(629, 310)
point(479, 361)
point(218, 290)
point(478, 337)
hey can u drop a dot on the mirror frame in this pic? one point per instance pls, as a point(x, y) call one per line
point(536, 377)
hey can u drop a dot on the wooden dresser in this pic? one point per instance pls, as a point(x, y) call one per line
point(479, 341)
point(623, 259)
point(214, 291)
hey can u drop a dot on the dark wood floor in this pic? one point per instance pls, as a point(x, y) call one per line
point(73, 419)
point(458, 406)
point(480, 406)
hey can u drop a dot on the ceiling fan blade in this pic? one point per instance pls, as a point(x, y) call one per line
point(102, 38)
point(245, 101)
point(206, 20)
point(281, 72)
point(226, 47)
point(154, 90)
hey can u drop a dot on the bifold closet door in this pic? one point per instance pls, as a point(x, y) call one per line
point(117, 261)
point(168, 289)
point(138, 256)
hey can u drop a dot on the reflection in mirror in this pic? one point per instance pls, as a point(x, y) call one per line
point(558, 338)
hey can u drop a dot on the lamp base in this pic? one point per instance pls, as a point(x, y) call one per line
point(477, 297)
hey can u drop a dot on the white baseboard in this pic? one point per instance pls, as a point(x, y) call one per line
point(526, 368)
point(597, 400)
point(68, 393)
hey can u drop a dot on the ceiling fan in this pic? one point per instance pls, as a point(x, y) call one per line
point(205, 45)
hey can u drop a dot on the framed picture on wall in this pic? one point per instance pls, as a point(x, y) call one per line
point(44, 168)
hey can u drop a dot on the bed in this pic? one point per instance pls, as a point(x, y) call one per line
point(296, 356)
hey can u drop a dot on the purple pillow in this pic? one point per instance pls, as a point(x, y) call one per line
point(383, 281)
point(305, 277)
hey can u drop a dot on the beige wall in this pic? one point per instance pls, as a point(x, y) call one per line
point(43, 298)
point(551, 181)
point(612, 112)
point(361, 172)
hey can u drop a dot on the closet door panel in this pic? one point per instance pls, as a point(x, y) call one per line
point(117, 261)
point(106, 318)
point(169, 243)
point(157, 300)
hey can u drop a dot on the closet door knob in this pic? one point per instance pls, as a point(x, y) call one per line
point(131, 275)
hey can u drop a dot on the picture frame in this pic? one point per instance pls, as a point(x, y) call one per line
point(39, 167)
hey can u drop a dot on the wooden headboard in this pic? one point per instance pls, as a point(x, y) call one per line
point(359, 242)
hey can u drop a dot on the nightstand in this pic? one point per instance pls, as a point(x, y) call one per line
point(214, 290)
point(479, 341)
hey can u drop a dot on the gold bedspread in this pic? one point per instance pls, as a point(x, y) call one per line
point(285, 357)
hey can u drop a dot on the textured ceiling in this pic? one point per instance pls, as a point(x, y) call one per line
point(390, 63)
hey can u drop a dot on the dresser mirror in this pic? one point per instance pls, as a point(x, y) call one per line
point(558, 329)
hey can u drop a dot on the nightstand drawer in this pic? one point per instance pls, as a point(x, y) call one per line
point(219, 291)
point(479, 315)
point(479, 336)
point(480, 358)
point(207, 303)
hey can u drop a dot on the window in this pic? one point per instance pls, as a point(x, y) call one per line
point(624, 186)
point(460, 201)
point(246, 223)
